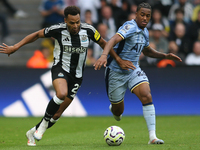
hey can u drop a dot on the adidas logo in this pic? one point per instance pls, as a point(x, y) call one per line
point(66, 39)
point(28, 105)
point(60, 74)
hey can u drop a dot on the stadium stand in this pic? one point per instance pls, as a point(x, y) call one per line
point(19, 28)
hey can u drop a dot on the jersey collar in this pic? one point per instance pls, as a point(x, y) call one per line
point(138, 29)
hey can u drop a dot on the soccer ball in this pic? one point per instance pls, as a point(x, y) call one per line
point(114, 136)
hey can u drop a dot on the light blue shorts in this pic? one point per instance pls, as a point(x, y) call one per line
point(117, 83)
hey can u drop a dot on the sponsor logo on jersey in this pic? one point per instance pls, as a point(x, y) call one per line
point(71, 49)
point(96, 35)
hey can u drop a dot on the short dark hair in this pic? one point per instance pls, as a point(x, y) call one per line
point(71, 10)
point(143, 5)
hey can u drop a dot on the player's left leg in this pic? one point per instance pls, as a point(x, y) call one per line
point(143, 92)
point(117, 110)
point(29, 135)
point(53, 120)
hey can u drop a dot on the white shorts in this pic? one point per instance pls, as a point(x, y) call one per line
point(117, 83)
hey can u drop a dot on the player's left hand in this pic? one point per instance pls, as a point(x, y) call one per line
point(173, 57)
point(101, 61)
point(5, 49)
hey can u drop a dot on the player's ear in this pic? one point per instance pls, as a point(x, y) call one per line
point(65, 20)
point(136, 14)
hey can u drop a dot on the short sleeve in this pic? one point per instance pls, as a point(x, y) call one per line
point(126, 30)
point(93, 34)
point(51, 31)
point(47, 32)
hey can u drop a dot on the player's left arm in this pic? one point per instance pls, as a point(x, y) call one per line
point(150, 52)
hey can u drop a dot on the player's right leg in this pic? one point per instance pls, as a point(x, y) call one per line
point(117, 110)
point(116, 87)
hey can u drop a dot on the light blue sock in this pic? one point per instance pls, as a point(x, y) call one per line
point(149, 115)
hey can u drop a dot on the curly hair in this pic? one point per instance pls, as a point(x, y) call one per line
point(143, 5)
point(71, 10)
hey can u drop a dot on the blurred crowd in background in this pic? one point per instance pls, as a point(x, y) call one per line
point(174, 27)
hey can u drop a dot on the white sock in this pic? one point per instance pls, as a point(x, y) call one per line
point(152, 135)
point(43, 124)
point(57, 100)
point(54, 121)
point(149, 115)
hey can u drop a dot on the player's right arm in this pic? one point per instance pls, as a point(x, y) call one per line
point(5, 49)
point(124, 64)
point(110, 44)
point(106, 49)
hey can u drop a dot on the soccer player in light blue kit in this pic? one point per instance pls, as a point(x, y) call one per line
point(131, 39)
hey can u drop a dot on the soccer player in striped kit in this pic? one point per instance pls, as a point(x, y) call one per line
point(71, 42)
point(131, 39)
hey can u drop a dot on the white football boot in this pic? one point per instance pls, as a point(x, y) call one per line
point(29, 135)
point(41, 129)
point(118, 118)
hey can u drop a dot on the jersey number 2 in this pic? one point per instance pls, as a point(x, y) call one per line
point(75, 89)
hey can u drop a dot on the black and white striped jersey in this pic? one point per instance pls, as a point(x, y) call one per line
point(70, 51)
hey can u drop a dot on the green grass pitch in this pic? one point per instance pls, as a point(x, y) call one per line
point(74, 133)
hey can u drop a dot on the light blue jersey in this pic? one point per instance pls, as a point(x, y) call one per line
point(135, 39)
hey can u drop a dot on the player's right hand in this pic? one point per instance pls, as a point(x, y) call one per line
point(101, 61)
point(5, 49)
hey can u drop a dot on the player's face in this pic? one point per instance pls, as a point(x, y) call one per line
point(142, 17)
point(73, 23)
